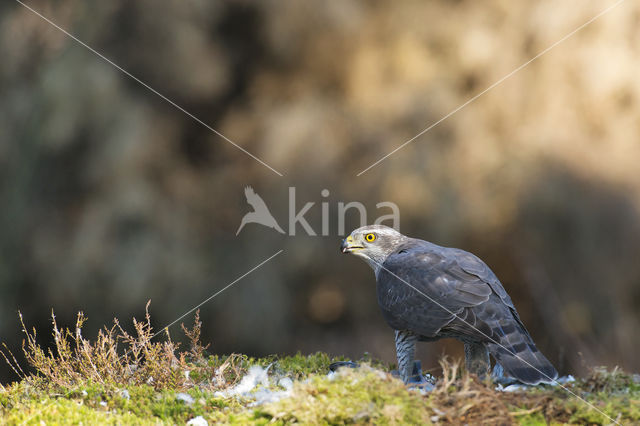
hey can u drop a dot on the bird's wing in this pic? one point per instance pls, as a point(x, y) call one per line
point(441, 288)
point(498, 325)
point(254, 199)
point(474, 266)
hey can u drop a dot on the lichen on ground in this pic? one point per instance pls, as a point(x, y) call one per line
point(155, 382)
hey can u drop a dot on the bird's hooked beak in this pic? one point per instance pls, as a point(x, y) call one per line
point(349, 245)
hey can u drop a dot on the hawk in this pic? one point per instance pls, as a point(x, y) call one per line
point(428, 292)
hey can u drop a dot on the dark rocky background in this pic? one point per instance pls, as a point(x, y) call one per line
point(109, 196)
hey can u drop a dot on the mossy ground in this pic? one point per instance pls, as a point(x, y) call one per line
point(79, 382)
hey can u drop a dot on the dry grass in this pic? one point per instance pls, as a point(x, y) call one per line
point(461, 398)
point(119, 358)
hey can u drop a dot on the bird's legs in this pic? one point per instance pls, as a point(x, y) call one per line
point(405, 350)
point(476, 356)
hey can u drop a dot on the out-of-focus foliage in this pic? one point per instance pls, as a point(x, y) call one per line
point(110, 196)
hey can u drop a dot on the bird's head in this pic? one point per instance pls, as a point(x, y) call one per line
point(373, 243)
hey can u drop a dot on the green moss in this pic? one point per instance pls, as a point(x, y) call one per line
point(353, 395)
point(68, 389)
point(616, 406)
point(299, 366)
point(59, 410)
point(535, 419)
point(364, 395)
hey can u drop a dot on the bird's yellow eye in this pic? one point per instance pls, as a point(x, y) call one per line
point(370, 237)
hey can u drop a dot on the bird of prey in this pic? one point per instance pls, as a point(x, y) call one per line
point(260, 213)
point(427, 292)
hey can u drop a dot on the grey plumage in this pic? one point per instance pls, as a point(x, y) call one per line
point(405, 350)
point(430, 292)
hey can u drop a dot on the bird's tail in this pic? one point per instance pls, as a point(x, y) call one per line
point(519, 356)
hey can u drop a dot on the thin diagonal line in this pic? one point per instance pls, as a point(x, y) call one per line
point(163, 329)
point(608, 9)
point(494, 341)
point(166, 327)
point(133, 77)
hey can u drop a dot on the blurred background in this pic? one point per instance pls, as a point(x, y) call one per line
point(109, 196)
